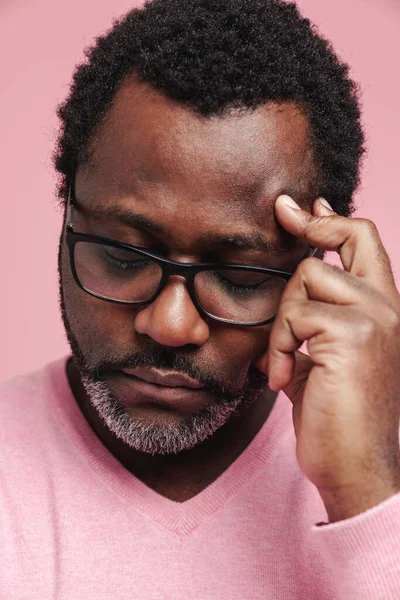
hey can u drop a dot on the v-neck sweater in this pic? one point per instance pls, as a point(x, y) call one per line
point(75, 524)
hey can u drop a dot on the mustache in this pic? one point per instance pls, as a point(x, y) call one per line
point(163, 359)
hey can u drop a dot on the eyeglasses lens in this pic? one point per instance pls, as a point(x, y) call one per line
point(117, 274)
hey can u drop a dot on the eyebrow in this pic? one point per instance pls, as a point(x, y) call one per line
point(252, 241)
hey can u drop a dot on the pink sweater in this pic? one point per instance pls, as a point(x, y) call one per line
point(75, 524)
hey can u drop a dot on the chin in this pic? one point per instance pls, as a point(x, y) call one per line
point(156, 427)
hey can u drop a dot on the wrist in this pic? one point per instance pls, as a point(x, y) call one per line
point(345, 504)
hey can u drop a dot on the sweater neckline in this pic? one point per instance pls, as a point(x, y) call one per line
point(180, 518)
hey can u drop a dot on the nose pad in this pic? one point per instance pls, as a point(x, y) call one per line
point(172, 319)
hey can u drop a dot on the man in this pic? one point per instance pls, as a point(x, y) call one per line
point(208, 155)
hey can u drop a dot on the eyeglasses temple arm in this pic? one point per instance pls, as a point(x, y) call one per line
point(70, 211)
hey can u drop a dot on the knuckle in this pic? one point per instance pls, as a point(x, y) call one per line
point(366, 227)
point(392, 319)
point(288, 308)
point(365, 329)
point(309, 265)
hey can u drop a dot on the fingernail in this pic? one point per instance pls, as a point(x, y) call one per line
point(326, 203)
point(290, 202)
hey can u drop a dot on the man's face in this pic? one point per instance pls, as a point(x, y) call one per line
point(194, 178)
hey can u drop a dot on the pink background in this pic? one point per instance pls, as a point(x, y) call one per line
point(40, 42)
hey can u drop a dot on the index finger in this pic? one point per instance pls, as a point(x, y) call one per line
point(356, 240)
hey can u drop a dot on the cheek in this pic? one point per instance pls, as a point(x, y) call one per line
point(241, 346)
point(100, 328)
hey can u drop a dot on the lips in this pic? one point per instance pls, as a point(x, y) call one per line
point(150, 388)
point(164, 378)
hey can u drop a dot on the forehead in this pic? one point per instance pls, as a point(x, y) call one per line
point(222, 172)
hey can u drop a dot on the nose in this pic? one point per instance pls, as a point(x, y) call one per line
point(172, 319)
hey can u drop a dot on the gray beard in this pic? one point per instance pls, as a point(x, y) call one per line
point(151, 438)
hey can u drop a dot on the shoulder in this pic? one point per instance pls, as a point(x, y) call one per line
point(23, 394)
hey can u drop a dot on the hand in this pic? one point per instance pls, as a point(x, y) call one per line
point(346, 394)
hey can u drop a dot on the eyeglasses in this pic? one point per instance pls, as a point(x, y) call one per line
point(243, 295)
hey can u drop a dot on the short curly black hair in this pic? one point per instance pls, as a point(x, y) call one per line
point(214, 56)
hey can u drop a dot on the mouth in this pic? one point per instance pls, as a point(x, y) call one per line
point(163, 378)
point(176, 392)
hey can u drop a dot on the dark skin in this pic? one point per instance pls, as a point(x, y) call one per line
point(220, 176)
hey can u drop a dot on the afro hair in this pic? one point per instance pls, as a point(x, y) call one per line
point(214, 56)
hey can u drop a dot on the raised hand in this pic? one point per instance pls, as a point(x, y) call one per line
point(346, 394)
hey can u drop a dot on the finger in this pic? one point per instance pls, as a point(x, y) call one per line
point(315, 279)
point(317, 323)
point(356, 240)
point(295, 388)
point(322, 208)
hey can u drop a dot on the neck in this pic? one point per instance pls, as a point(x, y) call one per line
point(180, 476)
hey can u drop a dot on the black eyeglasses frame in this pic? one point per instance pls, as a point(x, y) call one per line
point(169, 267)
